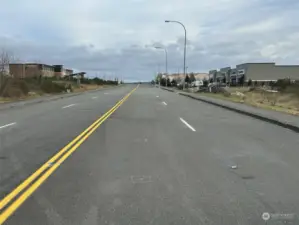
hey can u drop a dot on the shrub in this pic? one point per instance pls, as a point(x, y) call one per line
point(282, 84)
point(14, 88)
point(52, 87)
point(23, 86)
point(13, 92)
point(249, 82)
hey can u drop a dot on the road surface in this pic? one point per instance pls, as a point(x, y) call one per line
point(151, 157)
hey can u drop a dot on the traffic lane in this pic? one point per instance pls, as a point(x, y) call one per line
point(30, 143)
point(142, 166)
point(28, 111)
point(265, 154)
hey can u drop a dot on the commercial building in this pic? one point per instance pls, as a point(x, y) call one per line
point(27, 70)
point(267, 71)
point(259, 72)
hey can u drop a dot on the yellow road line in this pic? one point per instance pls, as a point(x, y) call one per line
point(17, 203)
point(45, 166)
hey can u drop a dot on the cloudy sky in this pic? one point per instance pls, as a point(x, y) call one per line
point(116, 37)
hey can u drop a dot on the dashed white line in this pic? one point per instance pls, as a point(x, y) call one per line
point(67, 106)
point(187, 124)
point(95, 97)
point(106, 93)
point(157, 96)
point(164, 103)
point(8, 125)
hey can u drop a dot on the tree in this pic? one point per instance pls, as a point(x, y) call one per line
point(211, 80)
point(187, 79)
point(249, 82)
point(241, 80)
point(163, 81)
point(168, 82)
point(173, 83)
point(205, 83)
point(192, 77)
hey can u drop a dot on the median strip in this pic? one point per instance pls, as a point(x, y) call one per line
point(19, 195)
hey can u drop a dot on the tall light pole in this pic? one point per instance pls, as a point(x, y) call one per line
point(184, 69)
point(166, 60)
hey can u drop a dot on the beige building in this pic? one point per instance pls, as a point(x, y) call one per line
point(180, 76)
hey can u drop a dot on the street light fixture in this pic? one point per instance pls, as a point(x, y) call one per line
point(166, 60)
point(184, 69)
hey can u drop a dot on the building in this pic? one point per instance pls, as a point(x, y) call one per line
point(201, 76)
point(259, 72)
point(212, 74)
point(267, 71)
point(27, 70)
point(179, 77)
point(61, 72)
point(225, 74)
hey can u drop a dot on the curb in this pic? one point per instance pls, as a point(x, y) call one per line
point(256, 116)
point(166, 89)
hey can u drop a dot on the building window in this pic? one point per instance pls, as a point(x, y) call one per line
point(241, 72)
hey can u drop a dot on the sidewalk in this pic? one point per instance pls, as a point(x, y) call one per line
point(278, 118)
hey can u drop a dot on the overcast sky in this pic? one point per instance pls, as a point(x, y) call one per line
point(107, 37)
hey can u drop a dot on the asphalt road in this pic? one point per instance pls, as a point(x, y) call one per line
point(160, 158)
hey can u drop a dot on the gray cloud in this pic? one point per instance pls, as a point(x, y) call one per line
point(103, 39)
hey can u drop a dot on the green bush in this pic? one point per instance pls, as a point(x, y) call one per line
point(49, 86)
point(13, 92)
point(282, 84)
point(14, 88)
point(23, 86)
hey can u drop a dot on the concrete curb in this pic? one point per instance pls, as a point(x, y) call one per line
point(254, 115)
point(167, 89)
point(17, 104)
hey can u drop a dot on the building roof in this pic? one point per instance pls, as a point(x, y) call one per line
point(201, 76)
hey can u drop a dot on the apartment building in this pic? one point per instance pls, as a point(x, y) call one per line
point(27, 70)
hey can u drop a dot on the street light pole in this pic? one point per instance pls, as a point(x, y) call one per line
point(174, 21)
point(166, 61)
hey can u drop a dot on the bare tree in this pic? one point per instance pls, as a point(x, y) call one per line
point(4, 62)
point(5, 59)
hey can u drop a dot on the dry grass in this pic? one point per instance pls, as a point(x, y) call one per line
point(86, 87)
point(33, 95)
point(287, 103)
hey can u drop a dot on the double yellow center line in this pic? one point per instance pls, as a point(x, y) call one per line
point(18, 196)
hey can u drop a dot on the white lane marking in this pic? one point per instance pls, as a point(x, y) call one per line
point(94, 97)
point(8, 125)
point(187, 124)
point(157, 96)
point(67, 106)
point(164, 103)
point(106, 93)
